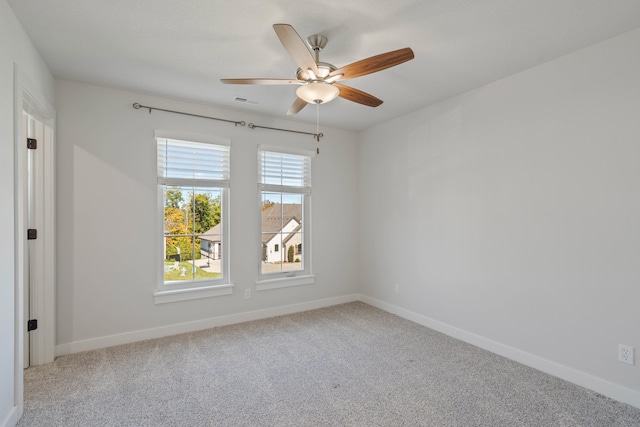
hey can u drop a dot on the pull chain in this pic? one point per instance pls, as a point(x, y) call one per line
point(317, 127)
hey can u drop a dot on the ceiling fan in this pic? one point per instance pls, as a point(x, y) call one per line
point(318, 80)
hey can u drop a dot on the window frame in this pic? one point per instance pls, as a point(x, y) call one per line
point(304, 276)
point(192, 289)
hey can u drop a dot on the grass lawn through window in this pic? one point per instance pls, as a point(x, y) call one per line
point(171, 273)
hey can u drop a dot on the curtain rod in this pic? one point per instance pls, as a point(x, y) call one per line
point(317, 136)
point(138, 106)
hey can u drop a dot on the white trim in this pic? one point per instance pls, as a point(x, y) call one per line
point(162, 297)
point(25, 95)
point(284, 282)
point(12, 417)
point(583, 379)
point(180, 328)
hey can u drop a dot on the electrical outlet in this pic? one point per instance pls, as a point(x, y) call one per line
point(247, 293)
point(396, 288)
point(625, 354)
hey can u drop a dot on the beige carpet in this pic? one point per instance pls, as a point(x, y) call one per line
point(347, 365)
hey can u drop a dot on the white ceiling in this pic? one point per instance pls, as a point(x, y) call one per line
point(183, 48)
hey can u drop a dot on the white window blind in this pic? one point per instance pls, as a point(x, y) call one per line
point(181, 162)
point(278, 171)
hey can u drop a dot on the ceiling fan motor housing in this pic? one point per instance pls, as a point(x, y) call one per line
point(324, 69)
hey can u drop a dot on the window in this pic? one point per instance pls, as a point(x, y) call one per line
point(193, 186)
point(284, 182)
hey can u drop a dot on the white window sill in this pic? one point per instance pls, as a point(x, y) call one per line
point(284, 282)
point(162, 297)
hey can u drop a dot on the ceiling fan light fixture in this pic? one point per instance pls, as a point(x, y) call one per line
point(324, 70)
point(317, 92)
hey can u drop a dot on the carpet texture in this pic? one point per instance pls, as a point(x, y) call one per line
point(346, 365)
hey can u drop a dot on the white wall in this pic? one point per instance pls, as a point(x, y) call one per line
point(509, 215)
point(106, 193)
point(15, 48)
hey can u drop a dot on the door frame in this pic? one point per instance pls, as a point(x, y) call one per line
point(28, 98)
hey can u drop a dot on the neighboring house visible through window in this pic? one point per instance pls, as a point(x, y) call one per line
point(285, 203)
point(281, 225)
point(193, 186)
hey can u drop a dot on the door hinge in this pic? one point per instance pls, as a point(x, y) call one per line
point(32, 234)
point(32, 325)
point(32, 143)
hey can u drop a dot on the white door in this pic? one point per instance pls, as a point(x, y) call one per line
point(35, 145)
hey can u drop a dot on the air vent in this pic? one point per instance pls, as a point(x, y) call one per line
point(246, 101)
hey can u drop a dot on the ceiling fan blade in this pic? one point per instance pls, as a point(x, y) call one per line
point(298, 105)
point(374, 64)
point(261, 81)
point(358, 96)
point(296, 47)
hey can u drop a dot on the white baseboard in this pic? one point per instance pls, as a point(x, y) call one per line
point(11, 419)
point(180, 328)
point(583, 379)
